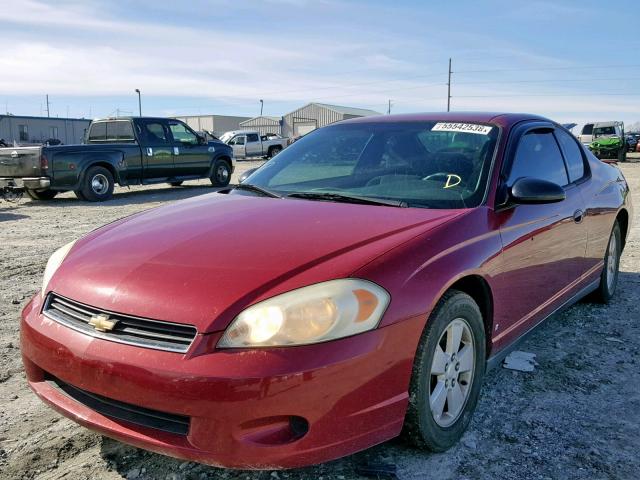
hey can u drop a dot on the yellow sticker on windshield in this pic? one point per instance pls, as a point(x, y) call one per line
point(452, 180)
point(462, 127)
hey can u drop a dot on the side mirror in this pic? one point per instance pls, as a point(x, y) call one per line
point(246, 174)
point(529, 190)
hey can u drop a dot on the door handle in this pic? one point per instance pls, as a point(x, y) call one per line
point(578, 216)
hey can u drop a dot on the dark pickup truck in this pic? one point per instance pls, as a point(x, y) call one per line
point(126, 151)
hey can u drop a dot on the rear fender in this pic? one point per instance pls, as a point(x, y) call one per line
point(70, 169)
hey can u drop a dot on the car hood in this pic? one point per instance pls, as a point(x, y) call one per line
point(201, 261)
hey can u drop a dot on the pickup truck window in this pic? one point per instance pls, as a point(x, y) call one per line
point(98, 132)
point(120, 131)
point(237, 141)
point(155, 132)
point(182, 134)
point(252, 137)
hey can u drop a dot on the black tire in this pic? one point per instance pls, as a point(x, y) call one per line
point(41, 194)
point(79, 195)
point(97, 184)
point(175, 184)
point(609, 276)
point(273, 151)
point(220, 173)
point(622, 155)
point(420, 427)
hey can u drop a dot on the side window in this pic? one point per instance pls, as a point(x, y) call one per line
point(252, 137)
point(587, 129)
point(98, 132)
point(572, 155)
point(238, 140)
point(154, 132)
point(182, 134)
point(538, 156)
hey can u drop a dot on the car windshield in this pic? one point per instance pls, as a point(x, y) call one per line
point(421, 164)
point(603, 131)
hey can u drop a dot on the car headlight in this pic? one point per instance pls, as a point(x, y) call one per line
point(54, 262)
point(313, 314)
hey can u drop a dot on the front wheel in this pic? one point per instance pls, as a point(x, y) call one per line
point(221, 174)
point(622, 155)
point(609, 276)
point(273, 151)
point(97, 185)
point(41, 194)
point(447, 374)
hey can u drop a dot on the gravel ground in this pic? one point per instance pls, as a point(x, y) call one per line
point(575, 416)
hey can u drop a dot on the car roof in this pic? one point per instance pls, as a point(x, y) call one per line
point(502, 119)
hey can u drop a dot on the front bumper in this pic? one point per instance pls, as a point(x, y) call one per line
point(351, 393)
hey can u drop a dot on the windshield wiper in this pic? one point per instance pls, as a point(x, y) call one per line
point(255, 188)
point(340, 197)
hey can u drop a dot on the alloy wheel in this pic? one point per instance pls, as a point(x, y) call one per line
point(452, 370)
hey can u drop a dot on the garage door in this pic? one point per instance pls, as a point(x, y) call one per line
point(303, 128)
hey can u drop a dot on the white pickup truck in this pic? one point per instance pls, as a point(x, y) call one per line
point(249, 143)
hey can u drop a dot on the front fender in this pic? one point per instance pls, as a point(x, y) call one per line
point(419, 272)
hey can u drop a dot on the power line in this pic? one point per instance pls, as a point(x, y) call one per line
point(542, 69)
point(548, 95)
point(503, 82)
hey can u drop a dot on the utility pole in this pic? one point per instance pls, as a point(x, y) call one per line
point(261, 106)
point(48, 113)
point(389, 108)
point(449, 88)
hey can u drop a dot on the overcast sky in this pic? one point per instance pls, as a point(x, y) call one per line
point(571, 61)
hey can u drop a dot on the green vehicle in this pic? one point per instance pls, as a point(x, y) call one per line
point(609, 141)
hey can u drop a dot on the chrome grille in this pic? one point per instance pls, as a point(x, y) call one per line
point(142, 332)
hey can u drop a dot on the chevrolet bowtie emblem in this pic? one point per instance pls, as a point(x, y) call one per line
point(102, 323)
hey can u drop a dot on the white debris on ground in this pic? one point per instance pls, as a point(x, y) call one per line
point(520, 361)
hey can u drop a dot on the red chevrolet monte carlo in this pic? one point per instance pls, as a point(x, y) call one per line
point(356, 285)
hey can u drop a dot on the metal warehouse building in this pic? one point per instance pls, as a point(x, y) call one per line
point(263, 125)
point(216, 124)
point(316, 115)
point(29, 130)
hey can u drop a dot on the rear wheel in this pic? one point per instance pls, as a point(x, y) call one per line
point(221, 174)
point(175, 184)
point(447, 374)
point(41, 194)
point(609, 276)
point(98, 184)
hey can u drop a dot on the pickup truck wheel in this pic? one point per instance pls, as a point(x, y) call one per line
point(175, 184)
point(98, 184)
point(221, 175)
point(622, 155)
point(273, 151)
point(42, 194)
point(79, 195)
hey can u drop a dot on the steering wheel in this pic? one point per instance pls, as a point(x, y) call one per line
point(438, 175)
